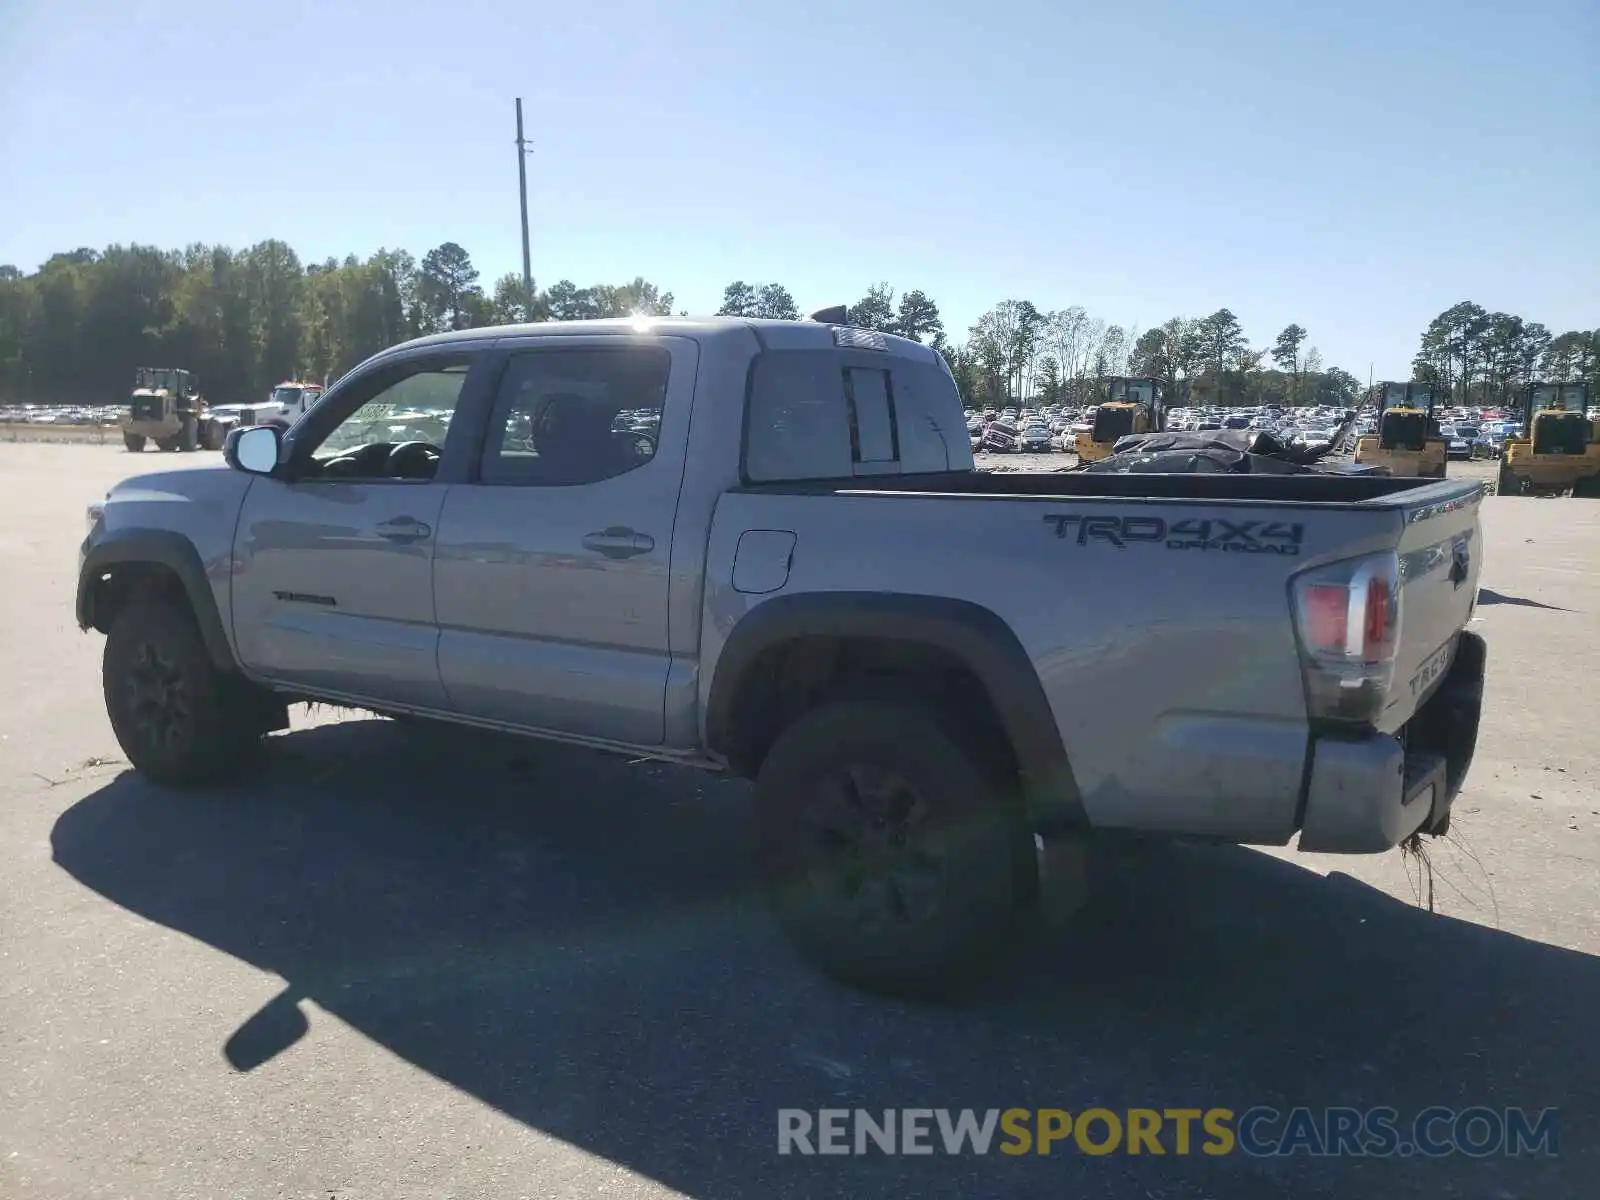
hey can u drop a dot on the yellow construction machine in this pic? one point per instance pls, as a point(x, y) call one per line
point(1559, 447)
point(1132, 405)
point(1408, 442)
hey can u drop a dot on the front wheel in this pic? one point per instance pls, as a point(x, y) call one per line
point(133, 442)
point(178, 718)
point(189, 435)
point(893, 860)
point(1508, 484)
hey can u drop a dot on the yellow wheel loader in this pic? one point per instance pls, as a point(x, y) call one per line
point(166, 408)
point(1132, 405)
point(1559, 448)
point(1408, 443)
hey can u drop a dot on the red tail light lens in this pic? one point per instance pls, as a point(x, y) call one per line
point(1325, 612)
point(1382, 621)
point(1347, 619)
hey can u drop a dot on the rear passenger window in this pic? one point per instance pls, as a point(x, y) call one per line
point(576, 416)
point(796, 425)
point(819, 415)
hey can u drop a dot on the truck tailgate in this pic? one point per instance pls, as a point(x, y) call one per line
point(1441, 556)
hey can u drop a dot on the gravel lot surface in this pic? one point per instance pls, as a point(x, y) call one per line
point(407, 963)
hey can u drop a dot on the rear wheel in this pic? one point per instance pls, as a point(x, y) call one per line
point(178, 718)
point(893, 860)
point(133, 442)
point(1508, 484)
point(189, 434)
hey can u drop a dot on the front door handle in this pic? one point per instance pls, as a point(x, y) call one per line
point(618, 541)
point(405, 529)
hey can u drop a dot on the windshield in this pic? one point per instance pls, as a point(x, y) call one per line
point(1564, 397)
point(290, 396)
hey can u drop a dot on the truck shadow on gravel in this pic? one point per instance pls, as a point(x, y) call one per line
point(575, 942)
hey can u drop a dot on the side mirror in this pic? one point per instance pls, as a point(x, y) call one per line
point(253, 450)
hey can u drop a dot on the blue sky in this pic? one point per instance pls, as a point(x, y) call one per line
point(1355, 167)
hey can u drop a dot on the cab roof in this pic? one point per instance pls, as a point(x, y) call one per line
point(770, 334)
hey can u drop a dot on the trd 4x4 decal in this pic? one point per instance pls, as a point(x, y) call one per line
point(1229, 537)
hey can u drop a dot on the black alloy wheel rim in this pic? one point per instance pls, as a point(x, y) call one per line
point(158, 699)
point(872, 862)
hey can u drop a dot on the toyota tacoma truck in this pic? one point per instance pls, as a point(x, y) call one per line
point(761, 548)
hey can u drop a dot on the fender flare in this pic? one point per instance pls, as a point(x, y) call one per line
point(976, 636)
point(158, 547)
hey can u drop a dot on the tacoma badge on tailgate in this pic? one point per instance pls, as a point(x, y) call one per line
point(1232, 537)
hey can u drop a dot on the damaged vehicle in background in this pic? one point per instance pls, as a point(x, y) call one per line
point(1231, 452)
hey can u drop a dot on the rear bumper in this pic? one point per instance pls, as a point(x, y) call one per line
point(1368, 794)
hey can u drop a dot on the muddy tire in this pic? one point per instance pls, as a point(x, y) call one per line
point(1507, 483)
point(212, 435)
point(179, 720)
point(133, 442)
point(893, 860)
point(189, 435)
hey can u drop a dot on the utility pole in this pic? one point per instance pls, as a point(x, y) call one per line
point(522, 180)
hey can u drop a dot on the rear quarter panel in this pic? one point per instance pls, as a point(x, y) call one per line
point(1168, 658)
point(1441, 560)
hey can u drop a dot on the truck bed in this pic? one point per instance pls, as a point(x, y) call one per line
point(1372, 491)
point(1156, 609)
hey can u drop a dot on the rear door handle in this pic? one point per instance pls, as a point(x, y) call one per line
point(619, 541)
point(405, 529)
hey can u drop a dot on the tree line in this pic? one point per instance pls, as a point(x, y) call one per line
point(1019, 353)
point(244, 319)
point(1484, 357)
point(1016, 351)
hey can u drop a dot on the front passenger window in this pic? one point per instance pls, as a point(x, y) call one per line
point(397, 434)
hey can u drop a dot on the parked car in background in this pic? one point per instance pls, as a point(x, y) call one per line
point(1314, 439)
point(1037, 437)
point(1456, 443)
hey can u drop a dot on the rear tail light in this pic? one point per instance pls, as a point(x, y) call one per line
point(1347, 620)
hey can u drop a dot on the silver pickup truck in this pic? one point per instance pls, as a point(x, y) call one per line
point(762, 548)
